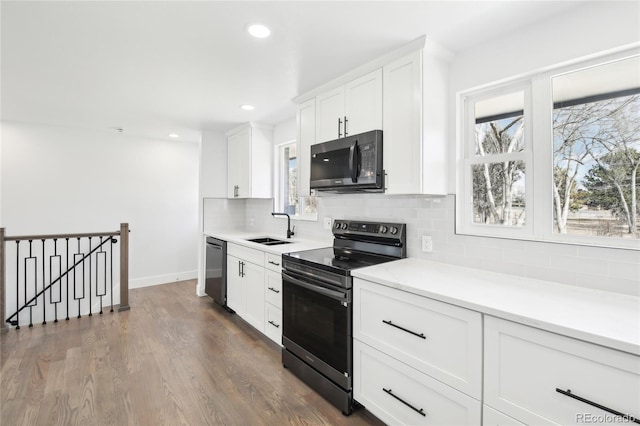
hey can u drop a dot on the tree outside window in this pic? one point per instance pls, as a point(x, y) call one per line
point(596, 158)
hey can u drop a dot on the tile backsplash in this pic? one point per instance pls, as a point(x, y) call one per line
point(599, 268)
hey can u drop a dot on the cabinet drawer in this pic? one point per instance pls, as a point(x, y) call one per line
point(439, 339)
point(525, 366)
point(398, 394)
point(491, 417)
point(273, 324)
point(273, 262)
point(245, 253)
point(273, 289)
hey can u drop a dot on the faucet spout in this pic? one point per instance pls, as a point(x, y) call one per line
point(290, 233)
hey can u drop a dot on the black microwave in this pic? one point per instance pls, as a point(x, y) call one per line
point(349, 164)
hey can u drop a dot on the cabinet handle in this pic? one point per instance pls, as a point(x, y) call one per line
point(345, 126)
point(625, 417)
point(420, 335)
point(273, 290)
point(274, 324)
point(339, 124)
point(273, 263)
point(419, 411)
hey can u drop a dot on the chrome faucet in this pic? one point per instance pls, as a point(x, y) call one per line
point(289, 231)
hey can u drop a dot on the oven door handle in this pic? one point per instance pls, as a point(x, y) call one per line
point(337, 295)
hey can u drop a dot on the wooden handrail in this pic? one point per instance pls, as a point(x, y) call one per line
point(61, 236)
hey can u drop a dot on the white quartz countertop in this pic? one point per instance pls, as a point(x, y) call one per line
point(240, 237)
point(604, 318)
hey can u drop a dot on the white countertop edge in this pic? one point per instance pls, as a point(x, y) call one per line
point(607, 319)
point(241, 237)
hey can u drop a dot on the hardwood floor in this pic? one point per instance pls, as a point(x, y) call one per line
point(174, 358)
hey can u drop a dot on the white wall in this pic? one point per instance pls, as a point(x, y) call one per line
point(63, 180)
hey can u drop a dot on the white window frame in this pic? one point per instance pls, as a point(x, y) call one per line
point(538, 154)
point(278, 172)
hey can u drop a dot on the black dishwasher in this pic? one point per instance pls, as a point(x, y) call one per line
point(215, 285)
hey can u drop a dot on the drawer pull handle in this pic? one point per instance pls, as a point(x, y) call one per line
point(274, 324)
point(273, 263)
point(420, 335)
point(273, 290)
point(626, 417)
point(419, 411)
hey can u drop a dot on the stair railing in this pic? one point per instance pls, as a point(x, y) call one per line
point(38, 272)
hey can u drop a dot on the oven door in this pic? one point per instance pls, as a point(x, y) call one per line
point(317, 327)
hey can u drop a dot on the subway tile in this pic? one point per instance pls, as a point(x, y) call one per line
point(605, 282)
point(551, 274)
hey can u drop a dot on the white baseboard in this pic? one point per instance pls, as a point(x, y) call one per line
point(162, 279)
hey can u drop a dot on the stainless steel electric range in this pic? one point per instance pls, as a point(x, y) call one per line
point(317, 307)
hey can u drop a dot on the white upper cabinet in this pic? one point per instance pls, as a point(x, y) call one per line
point(306, 136)
point(402, 124)
point(249, 149)
point(363, 104)
point(403, 93)
point(350, 109)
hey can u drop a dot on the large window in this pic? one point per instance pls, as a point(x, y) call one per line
point(555, 156)
point(287, 198)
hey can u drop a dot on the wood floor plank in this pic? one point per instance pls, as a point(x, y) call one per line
point(173, 359)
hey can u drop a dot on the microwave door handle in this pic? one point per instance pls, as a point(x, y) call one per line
point(353, 161)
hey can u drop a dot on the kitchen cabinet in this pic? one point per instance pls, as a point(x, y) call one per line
point(245, 284)
point(306, 136)
point(352, 108)
point(273, 297)
point(249, 169)
point(535, 376)
point(491, 417)
point(415, 124)
point(427, 354)
point(401, 395)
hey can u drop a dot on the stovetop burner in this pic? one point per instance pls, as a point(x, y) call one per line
point(356, 244)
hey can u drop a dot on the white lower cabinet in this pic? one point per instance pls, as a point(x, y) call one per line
point(273, 303)
point(399, 394)
point(273, 323)
point(416, 360)
point(542, 378)
point(245, 290)
point(442, 340)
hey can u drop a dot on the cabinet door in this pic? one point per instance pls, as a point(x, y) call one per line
point(400, 395)
point(236, 289)
point(363, 104)
point(330, 109)
point(306, 123)
point(239, 164)
point(541, 378)
point(402, 123)
point(254, 284)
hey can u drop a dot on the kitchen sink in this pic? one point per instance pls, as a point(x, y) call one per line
point(267, 241)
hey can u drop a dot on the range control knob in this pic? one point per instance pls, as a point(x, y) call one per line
point(393, 230)
point(344, 225)
point(337, 225)
point(383, 229)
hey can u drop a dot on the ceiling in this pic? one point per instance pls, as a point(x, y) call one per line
point(160, 67)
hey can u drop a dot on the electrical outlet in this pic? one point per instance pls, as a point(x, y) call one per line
point(327, 223)
point(427, 244)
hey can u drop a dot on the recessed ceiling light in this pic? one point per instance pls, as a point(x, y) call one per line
point(247, 107)
point(174, 135)
point(259, 31)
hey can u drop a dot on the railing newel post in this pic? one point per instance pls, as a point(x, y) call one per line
point(3, 326)
point(124, 267)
